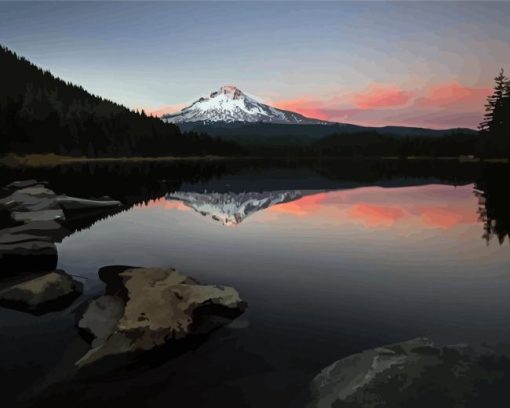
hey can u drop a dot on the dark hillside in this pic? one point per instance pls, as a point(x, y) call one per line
point(40, 113)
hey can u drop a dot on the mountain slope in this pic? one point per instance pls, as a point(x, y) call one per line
point(40, 113)
point(229, 104)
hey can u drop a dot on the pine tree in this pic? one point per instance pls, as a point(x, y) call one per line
point(492, 118)
point(496, 124)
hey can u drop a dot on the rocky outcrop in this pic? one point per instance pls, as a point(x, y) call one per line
point(411, 374)
point(146, 308)
point(49, 292)
point(37, 219)
point(38, 203)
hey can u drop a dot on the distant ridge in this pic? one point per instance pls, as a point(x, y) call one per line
point(304, 134)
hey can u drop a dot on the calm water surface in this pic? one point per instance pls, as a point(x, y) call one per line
point(327, 272)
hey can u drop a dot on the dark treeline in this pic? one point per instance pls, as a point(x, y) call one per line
point(495, 128)
point(367, 144)
point(494, 202)
point(374, 144)
point(43, 114)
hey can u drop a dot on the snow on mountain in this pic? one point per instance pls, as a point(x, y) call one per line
point(230, 104)
point(232, 208)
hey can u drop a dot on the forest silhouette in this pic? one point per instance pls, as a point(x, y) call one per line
point(43, 114)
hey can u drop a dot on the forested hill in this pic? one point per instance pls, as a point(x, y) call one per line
point(40, 113)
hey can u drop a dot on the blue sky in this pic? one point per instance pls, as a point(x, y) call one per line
point(309, 56)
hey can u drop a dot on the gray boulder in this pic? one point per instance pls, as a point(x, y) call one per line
point(412, 374)
point(34, 198)
point(145, 308)
point(49, 292)
point(40, 216)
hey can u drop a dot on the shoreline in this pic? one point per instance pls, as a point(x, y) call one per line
point(51, 160)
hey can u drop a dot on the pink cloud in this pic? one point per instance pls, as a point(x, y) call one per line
point(164, 109)
point(454, 93)
point(382, 96)
point(301, 207)
point(375, 215)
point(449, 104)
point(303, 105)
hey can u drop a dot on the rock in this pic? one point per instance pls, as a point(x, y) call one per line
point(410, 374)
point(6, 238)
point(17, 185)
point(73, 203)
point(158, 307)
point(38, 203)
point(101, 318)
point(51, 230)
point(43, 215)
point(26, 247)
point(35, 198)
point(50, 292)
point(27, 256)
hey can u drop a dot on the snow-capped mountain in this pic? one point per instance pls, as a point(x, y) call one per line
point(232, 208)
point(229, 104)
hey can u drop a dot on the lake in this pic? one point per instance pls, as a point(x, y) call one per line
point(332, 258)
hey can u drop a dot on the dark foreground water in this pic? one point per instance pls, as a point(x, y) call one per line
point(331, 258)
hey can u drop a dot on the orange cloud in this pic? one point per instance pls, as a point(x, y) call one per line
point(304, 105)
point(382, 96)
point(375, 215)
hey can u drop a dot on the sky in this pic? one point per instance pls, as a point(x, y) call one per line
point(428, 64)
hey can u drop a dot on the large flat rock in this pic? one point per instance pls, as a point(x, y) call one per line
point(145, 308)
point(52, 291)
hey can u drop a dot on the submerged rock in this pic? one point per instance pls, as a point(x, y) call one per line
point(50, 292)
point(145, 308)
point(411, 374)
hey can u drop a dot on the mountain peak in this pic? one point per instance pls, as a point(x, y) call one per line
point(230, 91)
point(230, 104)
